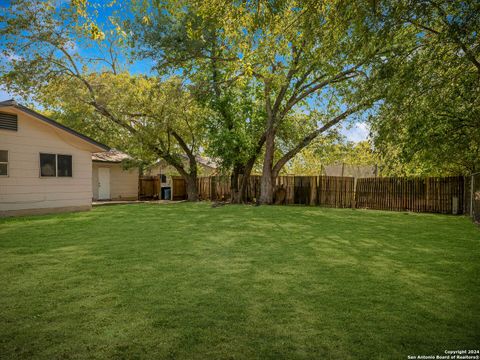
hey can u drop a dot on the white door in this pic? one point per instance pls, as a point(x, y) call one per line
point(103, 183)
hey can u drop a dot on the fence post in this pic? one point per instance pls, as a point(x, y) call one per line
point(354, 202)
point(471, 194)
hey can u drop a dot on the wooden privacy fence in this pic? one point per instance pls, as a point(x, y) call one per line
point(433, 194)
point(332, 191)
point(148, 187)
point(438, 195)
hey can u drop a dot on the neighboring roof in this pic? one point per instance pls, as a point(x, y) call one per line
point(39, 116)
point(111, 156)
point(203, 160)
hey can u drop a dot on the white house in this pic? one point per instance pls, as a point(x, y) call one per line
point(44, 166)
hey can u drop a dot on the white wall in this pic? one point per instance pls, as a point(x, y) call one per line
point(23, 191)
point(123, 183)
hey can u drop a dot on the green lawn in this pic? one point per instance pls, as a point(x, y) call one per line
point(188, 281)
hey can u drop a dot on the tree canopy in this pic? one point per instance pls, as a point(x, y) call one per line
point(262, 85)
point(429, 120)
point(295, 62)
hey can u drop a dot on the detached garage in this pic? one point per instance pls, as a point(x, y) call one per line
point(110, 179)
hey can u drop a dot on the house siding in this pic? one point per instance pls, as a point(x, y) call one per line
point(23, 191)
point(123, 182)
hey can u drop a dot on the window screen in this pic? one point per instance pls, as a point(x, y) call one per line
point(64, 165)
point(3, 162)
point(48, 165)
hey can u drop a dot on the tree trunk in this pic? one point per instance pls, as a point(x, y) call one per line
point(266, 188)
point(238, 192)
point(189, 177)
point(192, 190)
point(246, 175)
point(245, 170)
point(242, 192)
point(266, 182)
point(239, 184)
point(235, 195)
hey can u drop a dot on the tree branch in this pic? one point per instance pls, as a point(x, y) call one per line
point(305, 92)
point(188, 151)
point(311, 136)
point(296, 53)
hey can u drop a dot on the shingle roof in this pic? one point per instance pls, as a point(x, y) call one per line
point(112, 156)
point(41, 117)
point(203, 160)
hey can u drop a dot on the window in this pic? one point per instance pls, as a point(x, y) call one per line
point(48, 165)
point(64, 165)
point(3, 163)
point(52, 165)
point(164, 178)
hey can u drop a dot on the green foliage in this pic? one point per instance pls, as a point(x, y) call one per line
point(284, 59)
point(148, 106)
point(330, 151)
point(291, 69)
point(234, 127)
point(44, 38)
point(429, 121)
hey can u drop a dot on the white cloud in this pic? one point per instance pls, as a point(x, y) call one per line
point(358, 131)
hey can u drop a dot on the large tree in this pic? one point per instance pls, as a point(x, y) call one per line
point(65, 58)
point(300, 57)
point(148, 118)
point(235, 134)
point(429, 121)
point(235, 129)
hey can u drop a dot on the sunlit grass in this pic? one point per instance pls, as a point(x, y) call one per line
point(238, 282)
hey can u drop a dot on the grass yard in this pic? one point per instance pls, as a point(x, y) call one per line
point(188, 281)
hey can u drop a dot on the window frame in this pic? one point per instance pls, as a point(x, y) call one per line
point(7, 162)
point(56, 166)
